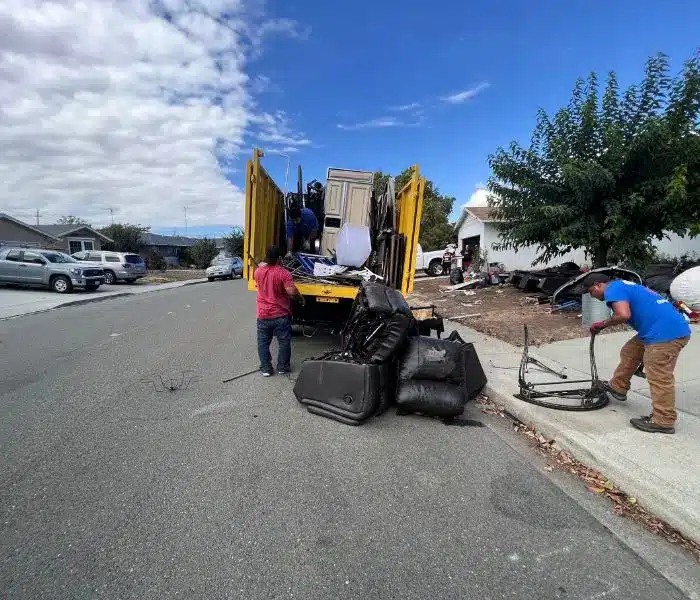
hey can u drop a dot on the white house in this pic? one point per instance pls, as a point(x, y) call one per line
point(476, 227)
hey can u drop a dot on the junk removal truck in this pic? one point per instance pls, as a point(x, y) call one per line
point(366, 235)
point(355, 277)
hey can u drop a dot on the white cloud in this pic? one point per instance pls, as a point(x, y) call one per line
point(380, 123)
point(461, 97)
point(128, 105)
point(406, 107)
point(479, 197)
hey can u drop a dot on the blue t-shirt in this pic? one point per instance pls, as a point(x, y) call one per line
point(308, 223)
point(653, 317)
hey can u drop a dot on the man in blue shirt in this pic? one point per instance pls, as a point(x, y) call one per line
point(302, 229)
point(662, 332)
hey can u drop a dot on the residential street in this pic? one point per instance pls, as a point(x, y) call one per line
point(112, 489)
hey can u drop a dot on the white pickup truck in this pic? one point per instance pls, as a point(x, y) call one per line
point(433, 263)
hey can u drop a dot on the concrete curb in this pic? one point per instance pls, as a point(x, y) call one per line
point(613, 466)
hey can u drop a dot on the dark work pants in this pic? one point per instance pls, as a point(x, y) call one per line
point(280, 328)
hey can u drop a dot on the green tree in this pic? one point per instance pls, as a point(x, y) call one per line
point(72, 220)
point(202, 252)
point(608, 175)
point(127, 238)
point(435, 230)
point(233, 241)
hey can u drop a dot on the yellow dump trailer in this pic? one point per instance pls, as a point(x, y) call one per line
point(326, 304)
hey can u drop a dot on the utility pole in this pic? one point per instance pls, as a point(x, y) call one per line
point(37, 216)
point(185, 220)
point(111, 213)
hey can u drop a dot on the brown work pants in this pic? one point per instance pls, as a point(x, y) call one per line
point(659, 364)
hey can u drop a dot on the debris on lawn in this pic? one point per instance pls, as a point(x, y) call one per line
point(624, 505)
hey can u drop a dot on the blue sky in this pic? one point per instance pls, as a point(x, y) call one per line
point(139, 109)
point(515, 56)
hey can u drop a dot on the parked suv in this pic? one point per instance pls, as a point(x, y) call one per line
point(49, 268)
point(118, 266)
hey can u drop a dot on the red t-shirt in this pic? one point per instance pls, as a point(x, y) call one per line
point(273, 300)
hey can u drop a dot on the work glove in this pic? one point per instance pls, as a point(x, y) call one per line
point(598, 326)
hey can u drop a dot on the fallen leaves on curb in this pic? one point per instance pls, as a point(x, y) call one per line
point(596, 483)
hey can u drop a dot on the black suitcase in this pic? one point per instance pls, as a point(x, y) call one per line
point(348, 392)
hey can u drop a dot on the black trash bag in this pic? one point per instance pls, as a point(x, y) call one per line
point(430, 358)
point(431, 398)
point(474, 376)
point(389, 340)
point(456, 276)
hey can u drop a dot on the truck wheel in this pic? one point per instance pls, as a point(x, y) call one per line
point(435, 267)
point(61, 284)
point(110, 278)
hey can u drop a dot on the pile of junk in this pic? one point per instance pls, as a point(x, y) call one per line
point(563, 286)
point(388, 357)
point(359, 237)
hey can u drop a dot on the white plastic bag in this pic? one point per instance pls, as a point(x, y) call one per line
point(352, 245)
point(686, 288)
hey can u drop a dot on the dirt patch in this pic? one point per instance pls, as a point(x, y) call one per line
point(501, 311)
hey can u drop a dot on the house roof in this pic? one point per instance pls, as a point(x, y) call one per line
point(155, 239)
point(27, 226)
point(482, 213)
point(59, 231)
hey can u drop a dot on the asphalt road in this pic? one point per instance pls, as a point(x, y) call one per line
point(111, 489)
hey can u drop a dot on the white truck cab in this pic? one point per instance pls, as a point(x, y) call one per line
point(431, 262)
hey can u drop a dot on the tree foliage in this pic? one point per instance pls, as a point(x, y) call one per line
point(609, 174)
point(435, 230)
point(202, 252)
point(127, 238)
point(72, 220)
point(233, 242)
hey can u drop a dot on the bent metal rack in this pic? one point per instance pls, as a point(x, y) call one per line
point(589, 398)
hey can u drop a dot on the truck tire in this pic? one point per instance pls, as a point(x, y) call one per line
point(61, 284)
point(110, 278)
point(435, 267)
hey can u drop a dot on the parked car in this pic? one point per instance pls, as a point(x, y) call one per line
point(225, 267)
point(48, 268)
point(118, 266)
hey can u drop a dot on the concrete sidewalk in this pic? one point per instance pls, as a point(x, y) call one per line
point(661, 471)
point(15, 302)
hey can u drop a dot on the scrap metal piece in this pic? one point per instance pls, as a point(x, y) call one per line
point(173, 383)
point(578, 399)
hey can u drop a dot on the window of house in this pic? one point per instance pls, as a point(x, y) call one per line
point(80, 245)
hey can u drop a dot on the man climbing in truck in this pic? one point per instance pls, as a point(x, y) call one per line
point(302, 229)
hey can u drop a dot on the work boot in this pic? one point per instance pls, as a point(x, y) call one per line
point(613, 395)
point(646, 424)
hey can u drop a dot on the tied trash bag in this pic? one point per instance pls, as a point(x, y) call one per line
point(433, 359)
point(431, 398)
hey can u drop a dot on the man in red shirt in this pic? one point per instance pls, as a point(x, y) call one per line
point(274, 310)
